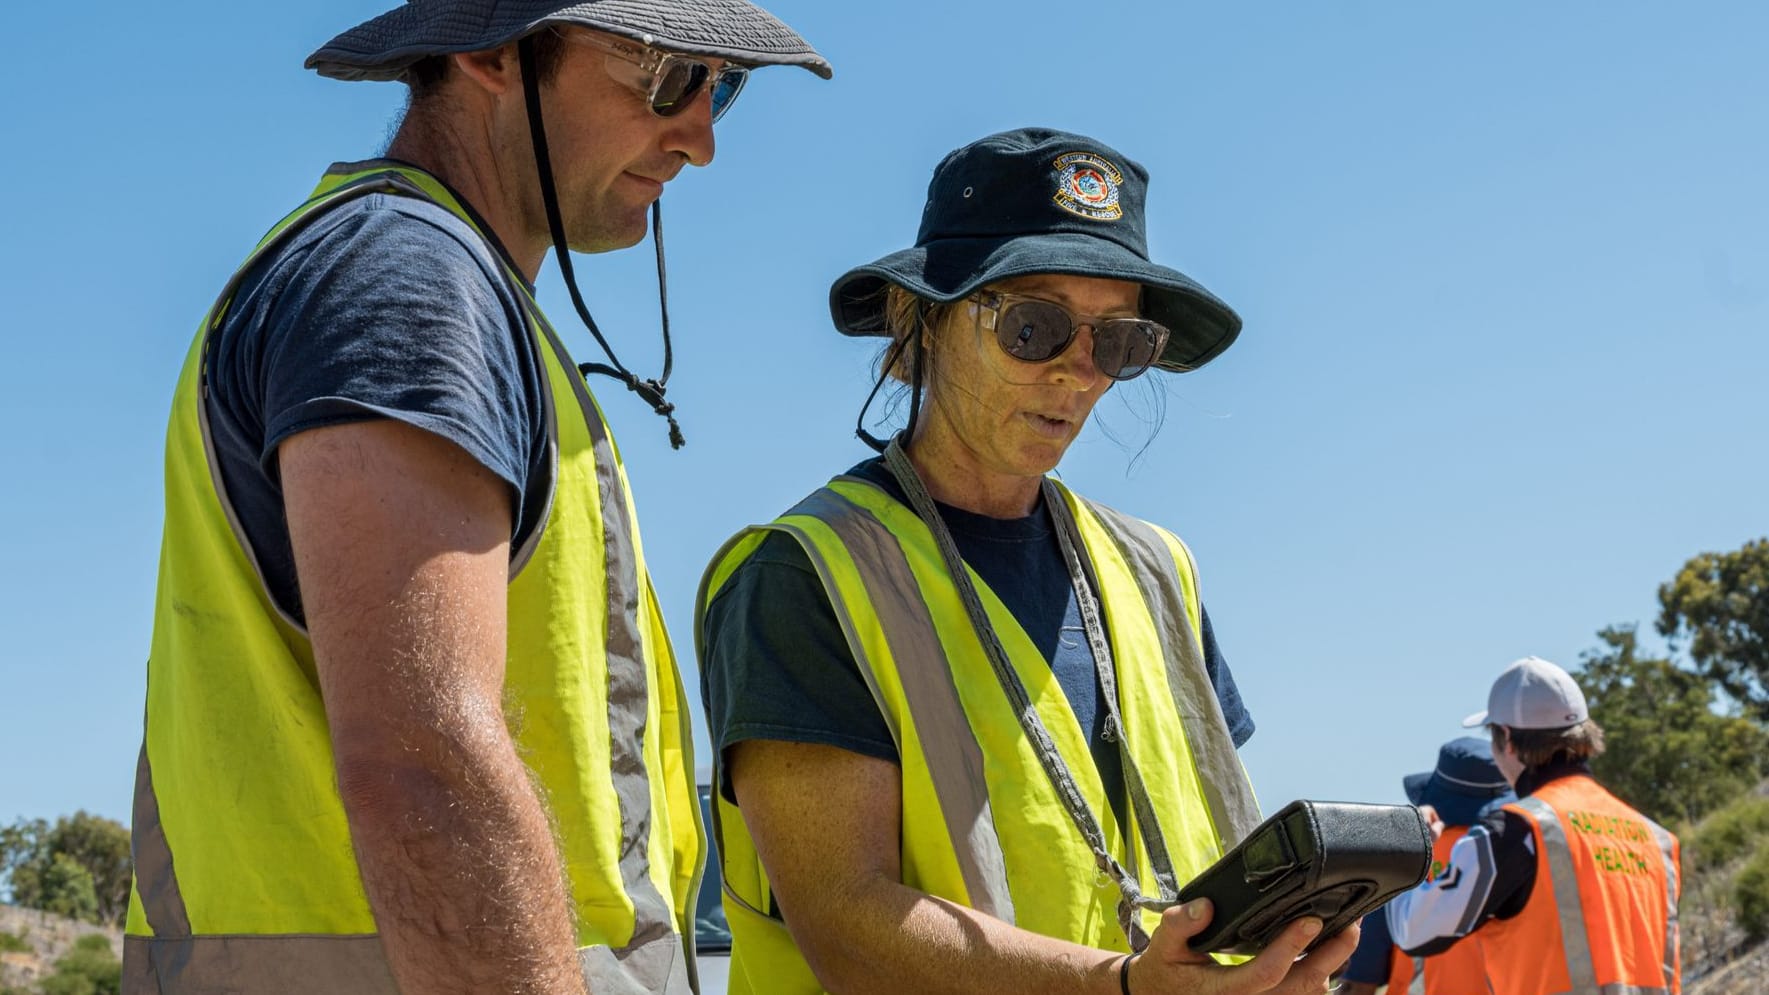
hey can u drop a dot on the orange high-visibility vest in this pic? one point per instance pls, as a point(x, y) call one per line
point(1460, 970)
point(1406, 975)
point(1602, 915)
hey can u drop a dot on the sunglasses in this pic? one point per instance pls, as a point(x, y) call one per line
point(1038, 331)
point(669, 81)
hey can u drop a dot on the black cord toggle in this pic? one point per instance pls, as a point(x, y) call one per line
point(649, 391)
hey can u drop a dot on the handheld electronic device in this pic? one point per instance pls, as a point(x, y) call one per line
point(1333, 860)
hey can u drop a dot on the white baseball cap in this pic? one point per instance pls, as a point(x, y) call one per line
point(1532, 694)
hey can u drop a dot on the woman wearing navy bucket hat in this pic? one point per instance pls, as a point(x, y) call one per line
point(973, 729)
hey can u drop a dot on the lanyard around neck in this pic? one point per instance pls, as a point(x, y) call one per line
point(1130, 896)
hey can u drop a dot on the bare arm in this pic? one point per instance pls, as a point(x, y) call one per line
point(401, 545)
point(825, 823)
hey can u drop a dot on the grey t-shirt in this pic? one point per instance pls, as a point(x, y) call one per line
point(383, 307)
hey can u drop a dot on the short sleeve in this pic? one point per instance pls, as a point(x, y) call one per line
point(776, 665)
point(1234, 711)
point(393, 315)
point(385, 307)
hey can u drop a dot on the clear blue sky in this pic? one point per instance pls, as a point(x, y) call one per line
point(1504, 270)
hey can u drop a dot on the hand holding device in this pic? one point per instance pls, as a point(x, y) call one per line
point(1334, 861)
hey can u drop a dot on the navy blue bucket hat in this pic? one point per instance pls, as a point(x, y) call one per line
point(384, 47)
point(1037, 201)
point(1465, 782)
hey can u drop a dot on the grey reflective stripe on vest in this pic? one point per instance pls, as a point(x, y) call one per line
point(348, 965)
point(954, 758)
point(1417, 985)
point(637, 968)
point(653, 960)
point(653, 917)
point(1575, 941)
point(1667, 849)
point(155, 881)
point(1220, 775)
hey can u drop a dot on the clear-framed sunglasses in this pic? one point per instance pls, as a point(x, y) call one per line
point(1037, 331)
point(669, 80)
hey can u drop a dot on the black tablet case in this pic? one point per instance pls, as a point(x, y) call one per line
point(1334, 860)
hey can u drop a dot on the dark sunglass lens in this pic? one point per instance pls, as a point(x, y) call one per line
point(1033, 331)
point(681, 82)
point(725, 88)
point(1123, 348)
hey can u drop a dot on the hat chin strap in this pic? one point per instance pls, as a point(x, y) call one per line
point(650, 391)
point(877, 444)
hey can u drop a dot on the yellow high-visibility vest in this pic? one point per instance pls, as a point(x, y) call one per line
point(982, 825)
point(245, 877)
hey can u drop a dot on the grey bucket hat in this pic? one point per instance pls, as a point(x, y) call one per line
point(383, 48)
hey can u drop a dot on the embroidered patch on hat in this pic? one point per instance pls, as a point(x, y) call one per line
point(1088, 186)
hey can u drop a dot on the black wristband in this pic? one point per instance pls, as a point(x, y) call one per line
point(1124, 973)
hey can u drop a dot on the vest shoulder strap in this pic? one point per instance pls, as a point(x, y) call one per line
point(1167, 584)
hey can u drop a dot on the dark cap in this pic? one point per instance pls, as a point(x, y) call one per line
point(383, 48)
point(1038, 201)
point(1466, 780)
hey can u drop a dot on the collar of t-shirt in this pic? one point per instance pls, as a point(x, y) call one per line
point(968, 523)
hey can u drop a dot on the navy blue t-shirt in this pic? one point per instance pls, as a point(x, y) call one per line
point(776, 664)
point(384, 307)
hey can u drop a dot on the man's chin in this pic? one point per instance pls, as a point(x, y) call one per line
point(603, 234)
point(606, 241)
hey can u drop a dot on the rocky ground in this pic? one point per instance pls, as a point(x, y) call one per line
point(1748, 975)
point(1716, 959)
point(49, 936)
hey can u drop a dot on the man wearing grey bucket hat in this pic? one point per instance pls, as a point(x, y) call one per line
point(974, 730)
point(413, 719)
point(1568, 888)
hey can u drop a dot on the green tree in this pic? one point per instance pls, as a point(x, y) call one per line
point(23, 857)
point(65, 889)
point(80, 863)
point(1670, 754)
point(1718, 605)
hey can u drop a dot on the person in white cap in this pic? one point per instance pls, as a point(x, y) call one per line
point(413, 720)
point(1571, 891)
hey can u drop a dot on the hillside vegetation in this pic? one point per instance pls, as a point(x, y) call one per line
point(1688, 737)
point(45, 954)
point(1725, 908)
